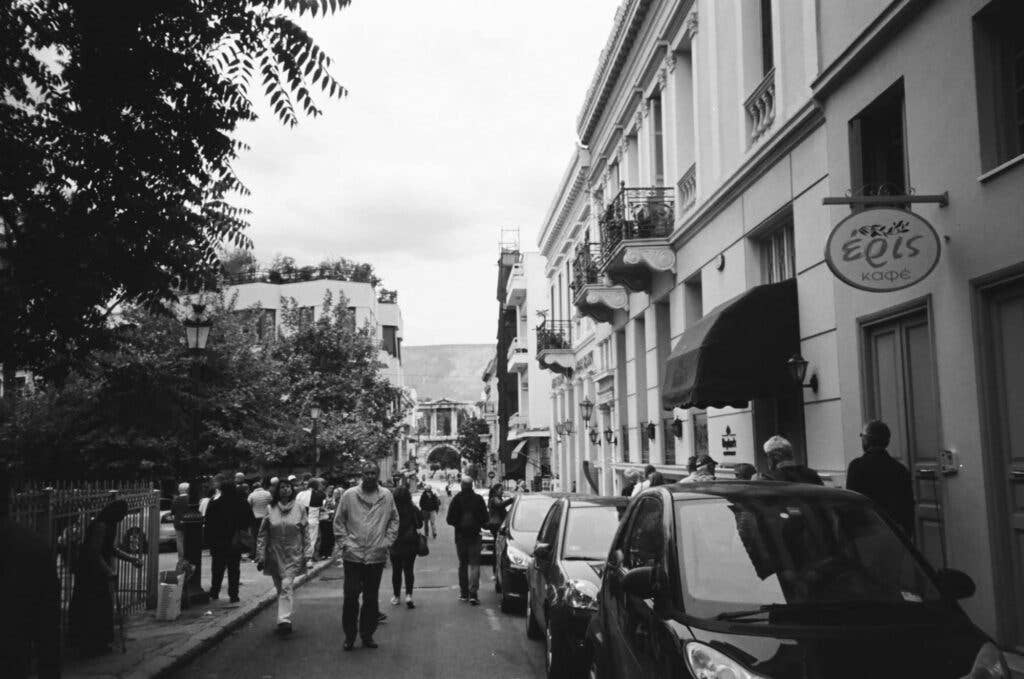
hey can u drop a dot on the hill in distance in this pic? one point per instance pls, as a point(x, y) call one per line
point(451, 371)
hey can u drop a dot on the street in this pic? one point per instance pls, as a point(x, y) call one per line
point(441, 637)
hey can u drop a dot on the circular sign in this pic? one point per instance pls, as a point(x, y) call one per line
point(490, 475)
point(882, 249)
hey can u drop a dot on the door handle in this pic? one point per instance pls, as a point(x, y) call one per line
point(1017, 474)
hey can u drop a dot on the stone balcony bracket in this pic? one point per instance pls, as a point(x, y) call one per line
point(560, 361)
point(760, 107)
point(600, 302)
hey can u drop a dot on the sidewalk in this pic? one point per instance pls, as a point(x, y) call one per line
point(155, 647)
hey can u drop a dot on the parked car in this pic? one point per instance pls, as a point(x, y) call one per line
point(168, 538)
point(564, 576)
point(486, 536)
point(756, 580)
point(514, 547)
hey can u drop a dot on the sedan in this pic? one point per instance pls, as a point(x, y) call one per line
point(514, 548)
point(168, 538)
point(780, 580)
point(564, 577)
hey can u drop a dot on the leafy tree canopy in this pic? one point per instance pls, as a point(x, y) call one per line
point(471, 445)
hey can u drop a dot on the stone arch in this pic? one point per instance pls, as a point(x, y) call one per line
point(446, 457)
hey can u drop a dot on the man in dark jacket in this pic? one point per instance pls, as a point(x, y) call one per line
point(467, 513)
point(881, 477)
point(429, 506)
point(227, 514)
point(783, 467)
point(31, 618)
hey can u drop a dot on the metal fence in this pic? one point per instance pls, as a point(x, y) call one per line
point(60, 513)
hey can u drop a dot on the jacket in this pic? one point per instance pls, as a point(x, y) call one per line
point(794, 473)
point(365, 525)
point(282, 545)
point(179, 507)
point(468, 514)
point(225, 515)
point(429, 502)
point(409, 522)
point(885, 480)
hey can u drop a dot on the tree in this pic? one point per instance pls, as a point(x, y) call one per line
point(472, 446)
point(117, 140)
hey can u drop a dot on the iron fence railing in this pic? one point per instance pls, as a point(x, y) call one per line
point(586, 266)
point(554, 335)
point(60, 514)
point(637, 213)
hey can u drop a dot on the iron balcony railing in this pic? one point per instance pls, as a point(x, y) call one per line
point(586, 266)
point(637, 213)
point(554, 335)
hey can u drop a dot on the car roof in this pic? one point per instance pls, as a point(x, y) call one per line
point(753, 489)
point(526, 497)
point(597, 501)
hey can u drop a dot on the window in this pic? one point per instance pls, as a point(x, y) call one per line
point(390, 341)
point(444, 423)
point(767, 43)
point(670, 440)
point(422, 424)
point(261, 321)
point(700, 432)
point(645, 444)
point(350, 318)
point(645, 541)
point(549, 529)
point(693, 300)
point(589, 532)
point(658, 141)
point(999, 65)
point(878, 148)
point(305, 317)
point(624, 443)
point(778, 257)
point(530, 513)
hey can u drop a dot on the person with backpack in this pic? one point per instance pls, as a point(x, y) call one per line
point(467, 514)
point(404, 549)
point(430, 504)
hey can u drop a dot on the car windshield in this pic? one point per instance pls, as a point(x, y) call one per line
point(750, 552)
point(589, 532)
point(530, 513)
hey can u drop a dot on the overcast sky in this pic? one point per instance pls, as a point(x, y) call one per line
point(460, 121)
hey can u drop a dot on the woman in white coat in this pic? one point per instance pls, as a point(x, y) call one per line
point(283, 548)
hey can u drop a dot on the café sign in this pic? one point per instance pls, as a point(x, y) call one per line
point(882, 249)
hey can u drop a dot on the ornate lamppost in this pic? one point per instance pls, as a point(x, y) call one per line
point(314, 414)
point(197, 333)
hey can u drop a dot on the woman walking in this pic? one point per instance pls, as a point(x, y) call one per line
point(403, 551)
point(327, 522)
point(282, 549)
point(92, 604)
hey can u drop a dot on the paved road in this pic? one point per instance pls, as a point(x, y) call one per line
point(441, 638)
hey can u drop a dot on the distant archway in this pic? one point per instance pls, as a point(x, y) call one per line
point(445, 457)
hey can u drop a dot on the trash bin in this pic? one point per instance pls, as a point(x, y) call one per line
point(168, 599)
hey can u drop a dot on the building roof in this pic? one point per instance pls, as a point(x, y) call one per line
point(450, 371)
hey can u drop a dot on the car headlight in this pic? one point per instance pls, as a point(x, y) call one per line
point(581, 594)
point(990, 664)
point(707, 663)
point(517, 558)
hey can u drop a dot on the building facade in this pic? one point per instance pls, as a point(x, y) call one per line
point(721, 147)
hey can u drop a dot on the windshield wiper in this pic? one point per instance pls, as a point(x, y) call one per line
point(577, 557)
point(739, 615)
point(811, 607)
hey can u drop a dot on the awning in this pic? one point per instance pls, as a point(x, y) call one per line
point(517, 462)
point(591, 475)
point(529, 433)
point(736, 352)
point(518, 449)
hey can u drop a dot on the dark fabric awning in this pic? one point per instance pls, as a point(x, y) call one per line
point(736, 352)
point(591, 475)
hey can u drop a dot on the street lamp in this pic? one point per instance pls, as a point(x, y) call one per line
point(197, 333)
point(609, 434)
point(594, 436)
point(797, 368)
point(568, 426)
point(197, 330)
point(314, 414)
point(586, 409)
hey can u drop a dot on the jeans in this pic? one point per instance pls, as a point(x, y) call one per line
point(312, 533)
point(429, 519)
point(402, 565)
point(361, 579)
point(225, 557)
point(468, 550)
point(285, 598)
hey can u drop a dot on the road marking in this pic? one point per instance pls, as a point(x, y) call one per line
point(492, 619)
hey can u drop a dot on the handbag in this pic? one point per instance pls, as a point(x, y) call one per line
point(243, 541)
point(422, 549)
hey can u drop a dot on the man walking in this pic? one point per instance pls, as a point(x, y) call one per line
point(180, 507)
point(429, 506)
point(259, 500)
point(467, 513)
point(881, 477)
point(365, 526)
point(782, 465)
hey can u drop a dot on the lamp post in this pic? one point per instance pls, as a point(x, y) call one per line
point(197, 333)
point(586, 410)
point(314, 414)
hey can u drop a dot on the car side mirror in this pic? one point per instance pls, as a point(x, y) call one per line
point(542, 550)
point(955, 584)
point(639, 582)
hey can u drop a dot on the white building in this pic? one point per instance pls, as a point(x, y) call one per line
point(686, 259)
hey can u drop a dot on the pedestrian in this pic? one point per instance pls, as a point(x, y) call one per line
point(783, 467)
point(180, 507)
point(403, 550)
point(91, 617)
point(283, 549)
point(497, 508)
point(211, 490)
point(365, 525)
point(327, 517)
point(744, 471)
point(259, 500)
point(702, 468)
point(467, 513)
point(30, 627)
point(239, 479)
point(881, 477)
point(448, 490)
point(316, 504)
point(633, 479)
point(657, 479)
point(430, 504)
point(226, 516)
point(646, 483)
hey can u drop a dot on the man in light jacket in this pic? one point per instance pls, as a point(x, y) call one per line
point(365, 525)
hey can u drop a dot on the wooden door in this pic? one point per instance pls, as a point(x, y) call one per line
point(1003, 349)
point(901, 391)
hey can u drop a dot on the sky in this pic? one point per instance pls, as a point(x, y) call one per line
point(459, 122)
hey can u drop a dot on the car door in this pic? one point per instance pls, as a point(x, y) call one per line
point(644, 547)
point(540, 570)
point(499, 546)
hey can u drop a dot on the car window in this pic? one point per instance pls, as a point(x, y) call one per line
point(644, 541)
point(741, 554)
point(549, 531)
point(589, 532)
point(530, 513)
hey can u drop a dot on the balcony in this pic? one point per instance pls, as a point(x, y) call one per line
point(554, 347)
point(688, 189)
point(760, 107)
point(518, 356)
point(635, 228)
point(516, 287)
point(591, 294)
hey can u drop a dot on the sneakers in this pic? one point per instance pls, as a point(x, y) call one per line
point(368, 642)
point(349, 643)
point(463, 597)
point(473, 601)
point(394, 600)
point(408, 601)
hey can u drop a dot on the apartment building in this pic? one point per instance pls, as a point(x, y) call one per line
point(721, 257)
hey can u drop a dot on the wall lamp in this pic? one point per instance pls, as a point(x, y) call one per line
point(797, 368)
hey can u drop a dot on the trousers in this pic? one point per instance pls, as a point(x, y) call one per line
point(402, 565)
point(361, 579)
point(468, 550)
point(429, 519)
point(225, 557)
point(285, 598)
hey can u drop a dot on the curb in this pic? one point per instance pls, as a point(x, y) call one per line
point(196, 645)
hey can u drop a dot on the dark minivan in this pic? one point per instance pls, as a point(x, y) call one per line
point(771, 580)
